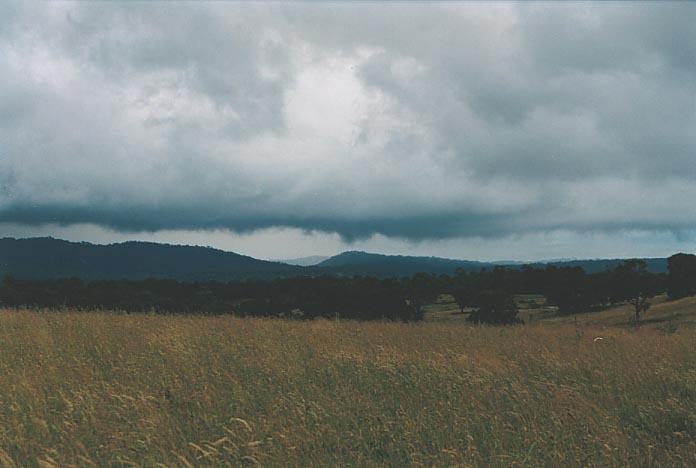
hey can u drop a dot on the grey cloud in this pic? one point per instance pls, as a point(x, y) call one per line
point(209, 49)
point(407, 120)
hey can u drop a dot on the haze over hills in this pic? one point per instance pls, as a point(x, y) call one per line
point(54, 258)
point(305, 261)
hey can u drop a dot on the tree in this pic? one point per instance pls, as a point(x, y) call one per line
point(419, 290)
point(565, 288)
point(462, 289)
point(681, 276)
point(634, 284)
point(495, 307)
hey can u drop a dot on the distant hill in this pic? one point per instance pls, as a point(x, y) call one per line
point(363, 263)
point(305, 261)
point(655, 265)
point(54, 258)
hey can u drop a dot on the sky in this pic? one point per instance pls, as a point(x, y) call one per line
point(487, 131)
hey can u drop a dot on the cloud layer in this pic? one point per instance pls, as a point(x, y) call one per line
point(404, 120)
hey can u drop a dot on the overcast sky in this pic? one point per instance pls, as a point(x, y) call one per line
point(473, 130)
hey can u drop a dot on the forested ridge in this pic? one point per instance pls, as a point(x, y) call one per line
point(486, 294)
point(48, 258)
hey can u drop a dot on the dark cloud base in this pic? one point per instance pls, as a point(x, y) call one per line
point(431, 227)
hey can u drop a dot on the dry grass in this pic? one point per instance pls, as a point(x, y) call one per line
point(103, 389)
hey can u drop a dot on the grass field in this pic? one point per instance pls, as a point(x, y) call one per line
point(106, 389)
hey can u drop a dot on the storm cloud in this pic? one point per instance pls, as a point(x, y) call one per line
point(413, 121)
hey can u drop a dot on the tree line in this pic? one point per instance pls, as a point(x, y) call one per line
point(487, 296)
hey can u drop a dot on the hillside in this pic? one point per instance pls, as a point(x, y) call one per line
point(654, 265)
point(363, 263)
point(533, 309)
point(680, 311)
point(54, 258)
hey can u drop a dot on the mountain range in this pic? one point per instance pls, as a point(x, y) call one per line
point(46, 258)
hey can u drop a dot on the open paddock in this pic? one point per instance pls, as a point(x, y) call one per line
point(105, 389)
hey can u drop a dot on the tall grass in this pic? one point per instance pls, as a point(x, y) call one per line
point(105, 389)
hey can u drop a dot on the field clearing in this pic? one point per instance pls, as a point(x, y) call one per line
point(108, 389)
point(532, 308)
point(680, 312)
